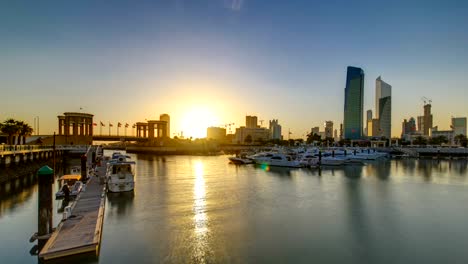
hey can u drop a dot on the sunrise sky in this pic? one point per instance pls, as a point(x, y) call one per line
point(211, 62)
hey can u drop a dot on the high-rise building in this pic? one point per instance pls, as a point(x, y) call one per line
point(408, 127)
point(459, 126)
point(167, 118)
point(315, 130)
point(373, 128)
point(421, 124)
point(383, 106)
point(251, 122)
point(328, 129)
point(427, 119)
point(369, 118)
point(354, 102)
point(275, 129)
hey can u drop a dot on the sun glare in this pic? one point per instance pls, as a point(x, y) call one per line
point(196, 120)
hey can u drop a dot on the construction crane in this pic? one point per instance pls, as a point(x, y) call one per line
point(228, 125)
point(425, 100)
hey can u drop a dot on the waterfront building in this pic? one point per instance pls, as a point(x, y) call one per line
point(328, 129)
point(315, 130)
point(275, 129)
point(216, 133)
point(425, 121)
point(75, 128)
point(408, 127)
point(369, 118)
point(341, 131)
point(373, 128)
point(448, 134)
point(166, 118)
point(353, 106)
point(459, 126)
point(383, 107)
point(420, 124)
point(253, 134)
point(251, 122)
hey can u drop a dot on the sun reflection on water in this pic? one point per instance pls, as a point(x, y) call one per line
point(200, 217)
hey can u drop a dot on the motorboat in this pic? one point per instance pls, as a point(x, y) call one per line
point(309, 160)
point(277, 159)
point(72, 182)
point(240, 159)
point(120, 174)
point(332, 161)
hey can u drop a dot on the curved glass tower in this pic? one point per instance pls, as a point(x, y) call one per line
point(354, 103)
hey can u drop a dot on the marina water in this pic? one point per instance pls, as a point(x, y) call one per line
point(200, 209)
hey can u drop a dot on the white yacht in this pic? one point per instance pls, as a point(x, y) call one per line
point(277, 159)
point(120, 174)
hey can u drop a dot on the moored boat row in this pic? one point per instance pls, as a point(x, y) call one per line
point(308, 157)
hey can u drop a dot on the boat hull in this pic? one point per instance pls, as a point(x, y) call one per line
point(116, 187)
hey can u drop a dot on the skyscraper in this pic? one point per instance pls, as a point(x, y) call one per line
point(369, 118)
point(353, 106)
point(383, 107)
point(427, 119)
point(251, 122)
point(275, 129)
point(328, 129)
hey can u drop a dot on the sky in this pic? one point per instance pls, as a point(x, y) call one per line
point(212, 62)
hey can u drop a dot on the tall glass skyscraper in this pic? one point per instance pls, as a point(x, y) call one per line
point(354, 103)
point(383, 106)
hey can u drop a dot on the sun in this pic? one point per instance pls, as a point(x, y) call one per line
point(196, 120)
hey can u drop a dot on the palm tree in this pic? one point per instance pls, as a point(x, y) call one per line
point(24, 130)
point(11, 128)
point(459, 139)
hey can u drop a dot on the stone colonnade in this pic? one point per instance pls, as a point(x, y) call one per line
point(147, 129)
point(81, 124)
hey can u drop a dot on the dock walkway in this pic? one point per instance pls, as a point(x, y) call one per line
point(81, 233)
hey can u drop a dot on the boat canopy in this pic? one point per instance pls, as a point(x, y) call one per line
point(70, 177)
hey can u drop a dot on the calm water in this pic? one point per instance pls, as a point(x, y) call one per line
point(198, 209)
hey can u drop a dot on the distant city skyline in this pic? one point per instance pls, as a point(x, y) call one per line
point(223, 60)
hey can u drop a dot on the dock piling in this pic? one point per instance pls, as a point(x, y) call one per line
point(46, 180)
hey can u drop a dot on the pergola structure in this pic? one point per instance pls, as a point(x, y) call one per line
point(81, 124)
point(147, 129)
point(76, 127)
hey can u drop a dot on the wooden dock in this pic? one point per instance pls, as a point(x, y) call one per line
point(81, 233)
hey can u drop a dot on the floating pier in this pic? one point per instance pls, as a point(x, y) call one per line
point(81, 233)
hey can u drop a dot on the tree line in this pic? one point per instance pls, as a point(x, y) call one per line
point(16, 130)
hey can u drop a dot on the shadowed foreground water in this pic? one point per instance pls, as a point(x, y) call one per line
point(200, 209)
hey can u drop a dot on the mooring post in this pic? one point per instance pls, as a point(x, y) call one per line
point(44, 224)
point(320, 157)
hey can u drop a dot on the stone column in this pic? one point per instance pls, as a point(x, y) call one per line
point(60, 124)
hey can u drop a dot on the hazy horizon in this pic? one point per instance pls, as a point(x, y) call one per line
point(127, 62)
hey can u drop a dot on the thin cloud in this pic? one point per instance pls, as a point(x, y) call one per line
point(235, 5)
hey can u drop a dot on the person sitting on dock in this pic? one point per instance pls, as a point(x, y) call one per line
point(66, 191)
